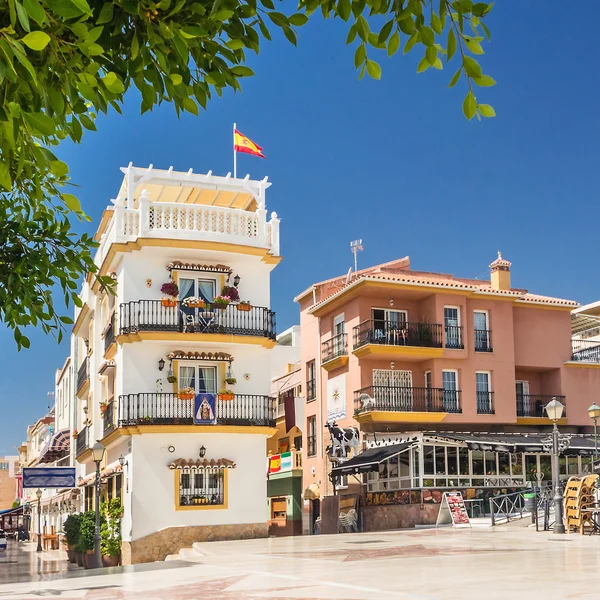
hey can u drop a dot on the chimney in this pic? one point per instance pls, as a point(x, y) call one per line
point(500, 273)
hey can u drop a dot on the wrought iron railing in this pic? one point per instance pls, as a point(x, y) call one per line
point(453, 336)
point(335, 347)
point(483, 340)
point(311, 445)
point(485, 403)
point(108, 418)
point(533, 405)
point(109, 334)
point(151, 315)
point(82, 442)
point(83, 373)
point(507, 507)
point(169, 409)
point(395, 333)
point(586, 351)
point(406, 399)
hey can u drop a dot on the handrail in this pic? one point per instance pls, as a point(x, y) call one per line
point(334, 347)
point(507, 504)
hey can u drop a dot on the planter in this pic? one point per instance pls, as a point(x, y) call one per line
point(231, 381)
point(88, 560)
point(103, 408)
point(71, 555)
point(244, 307)
point(110, 561)
point(226, 396)
point(79, 558)
point(168, 302)
point(220, 306)
point(195, 305)
point(185, 396)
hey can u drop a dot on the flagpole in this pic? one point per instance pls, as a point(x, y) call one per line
point(234, 154)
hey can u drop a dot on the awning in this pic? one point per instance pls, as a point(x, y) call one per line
point(369, 460)
point(57, 448)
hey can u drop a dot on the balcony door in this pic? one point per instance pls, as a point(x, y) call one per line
point(393, 389)
point(450, 387)
point(483, 389)
point(480, 324)
point(523, 407)
point(202, 379)
point(338, 335)
point(386, 321)
point(452, 326)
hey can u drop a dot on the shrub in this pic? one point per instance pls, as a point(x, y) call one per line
point(110, 531)
point(72, 526)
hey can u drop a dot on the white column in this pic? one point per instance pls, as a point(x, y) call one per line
point(261, 213)
point(144, 212)
point(119, 226)
point(274, 234)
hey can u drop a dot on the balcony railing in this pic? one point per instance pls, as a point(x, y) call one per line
point(169, 409)
point(109, 334)
point(83, 373)
point(483, 340)
point(335, 347)
point(485, 403)
point(406, 399)
point(586, 351)
point(82, 442)
point(454, 336)
point(311, 445)
point(394, 333)
point(533, 405)
point(108, 418)
point(151, 315)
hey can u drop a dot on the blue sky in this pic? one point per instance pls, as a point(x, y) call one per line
point(393, 162)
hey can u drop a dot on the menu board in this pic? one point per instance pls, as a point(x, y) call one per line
point(453, 511)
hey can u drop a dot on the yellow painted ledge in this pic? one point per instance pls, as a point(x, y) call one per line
point(83, 457)
point(111, 351)
point(582, 365)
point(388, 349)
point(176, 336)
point(380, 416)
point(203, 429)
point(539, 421)
point(335, 363)
point(85, 386)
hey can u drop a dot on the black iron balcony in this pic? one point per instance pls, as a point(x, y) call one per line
point(395, 333)
point(311, 445)
point(335, 347)
point(406, 399)
point(109, 334)
point(454, 337)
point(483, 340)
point(485, 403)
point(169, 409)
point(533, 405)
point(83, 373)
point(151, 315)
point(586, 351)
point(108, 418)
point(82, 442)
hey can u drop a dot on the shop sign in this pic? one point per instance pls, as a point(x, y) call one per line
point(453, 511)
point(49, 477)
point(280, 463)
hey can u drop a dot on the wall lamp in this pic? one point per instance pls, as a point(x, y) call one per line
point(161, 364)
point(202, 451)
point(236, 280)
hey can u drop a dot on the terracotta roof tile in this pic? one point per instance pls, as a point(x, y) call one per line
point(202, 463)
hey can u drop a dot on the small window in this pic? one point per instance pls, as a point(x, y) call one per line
point(204, 488)
point(311, 389)
point(311, 436)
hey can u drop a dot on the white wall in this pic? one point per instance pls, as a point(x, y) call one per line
point(153, 487)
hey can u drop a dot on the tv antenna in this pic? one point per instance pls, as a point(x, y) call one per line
point(355, 247)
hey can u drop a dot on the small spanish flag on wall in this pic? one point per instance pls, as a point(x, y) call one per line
point(243, 144)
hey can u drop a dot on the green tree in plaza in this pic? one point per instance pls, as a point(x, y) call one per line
point(64, 61)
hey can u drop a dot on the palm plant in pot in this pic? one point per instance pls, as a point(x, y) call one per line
point(71, 528)
point(110, 532)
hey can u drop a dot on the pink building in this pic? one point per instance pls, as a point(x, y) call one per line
point(446, 378)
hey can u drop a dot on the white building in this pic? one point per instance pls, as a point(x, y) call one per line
point(133, 354)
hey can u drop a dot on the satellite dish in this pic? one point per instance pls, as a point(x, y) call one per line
point(348, 276)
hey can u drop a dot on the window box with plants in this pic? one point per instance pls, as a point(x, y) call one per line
point(193, 302)
point(103, 407)
point(110, 533)
point(226, 394)
point(170, 291)
point(244, 306)
point(220, 302)
point(186, 393)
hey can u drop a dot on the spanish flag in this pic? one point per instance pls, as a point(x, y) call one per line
point(243, 144)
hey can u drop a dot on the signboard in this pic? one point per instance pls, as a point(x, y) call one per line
point(280, 463)
point(49, 477)
point(336, 398)
point(204, 409)
point(453, 511)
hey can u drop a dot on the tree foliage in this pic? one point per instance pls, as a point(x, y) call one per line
point(64, 61)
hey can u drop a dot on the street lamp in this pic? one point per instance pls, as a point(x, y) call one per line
point(594, 412)
point(554, 410)
point(38, 495)
point(97, 455)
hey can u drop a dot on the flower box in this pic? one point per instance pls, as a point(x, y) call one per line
point(185, 396)
point(168, 302)
point(226, 396)
point(244, 306)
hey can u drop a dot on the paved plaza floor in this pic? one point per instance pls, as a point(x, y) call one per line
point(447, 564)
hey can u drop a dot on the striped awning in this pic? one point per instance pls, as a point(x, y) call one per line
point(58, 446)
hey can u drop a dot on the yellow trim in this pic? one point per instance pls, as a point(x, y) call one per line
point(203, 429)
point(335, 363)
point(81, 318)
point(111, 351)
point(111, 437)
point(223, 506)
point(583, 365)
point(539, 421)
point(176, 336)
point(85, 386)
point(400, 417)
point(379, 349)
point(87, 453)
point(541, 306)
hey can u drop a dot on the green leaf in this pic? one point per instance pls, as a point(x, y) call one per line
point(106, 14)
point(290, 35)
point(451, 43)
point(427, 36)
point(412, 40)
point(190, 106)
point(472, 67)
point(423, 65)
point(42, 123)
point(71, 202)
point(469, 105)
point(431, 54)
point(36, 40)
point(373, 69)
point(5, 180)
point(113, 83)
point(455, 78)
point(59, 168)
point(82, 6)
point(242, 71)
point(22, 14)
point(474, 47)
point(436, 24)
point(351, 34)
point(394, 44)
point(438, 64)
point(235, 44)
point(385, 32)
point(176, 78)
point(298, 20)
point(363, 28)
point(486, 110)
point(484, 81)
point(35, 11)
point(360, 55)
point(344, 9)
point(486, 31)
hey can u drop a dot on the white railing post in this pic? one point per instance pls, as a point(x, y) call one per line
point(261, 215)
point(119, 223)
point(274, 234)
point(144, 212)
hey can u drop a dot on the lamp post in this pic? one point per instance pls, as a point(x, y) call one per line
point(97, 455)
point(594, 412)
point(38, 495)
point(554, 410)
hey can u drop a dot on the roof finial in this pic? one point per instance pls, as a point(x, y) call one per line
point(499, 255)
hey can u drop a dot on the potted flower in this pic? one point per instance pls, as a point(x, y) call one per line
point(193, 302)
point(221, 302)
point(230, 380)
point(244, 306)
point(110, 533)
point(230, 292)
point(71, 527)
point(103, 407)
point(75, 434)
point(171, 378)
point(186, 393)
point(171, 291)
point(226, 394)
